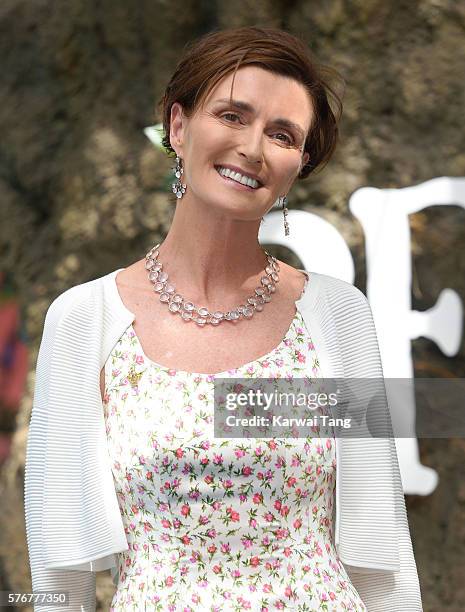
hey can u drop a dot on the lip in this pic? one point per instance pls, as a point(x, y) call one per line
point(241, 171)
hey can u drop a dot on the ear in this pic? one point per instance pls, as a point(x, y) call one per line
point(305, 158)
point(177, 128)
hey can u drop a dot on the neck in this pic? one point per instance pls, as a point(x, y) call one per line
point(210, 258)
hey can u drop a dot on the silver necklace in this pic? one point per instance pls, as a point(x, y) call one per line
point(200, 315)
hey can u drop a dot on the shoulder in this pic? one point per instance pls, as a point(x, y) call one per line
point(69, 300)
point(338, 290)
point(344, 303)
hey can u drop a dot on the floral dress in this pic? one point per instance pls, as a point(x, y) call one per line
point(219, 524)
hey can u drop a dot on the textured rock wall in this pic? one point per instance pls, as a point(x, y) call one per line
point(83, 192)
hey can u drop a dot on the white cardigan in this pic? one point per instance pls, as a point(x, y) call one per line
point(73, 522)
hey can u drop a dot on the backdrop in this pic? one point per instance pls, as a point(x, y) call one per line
point(83, 191)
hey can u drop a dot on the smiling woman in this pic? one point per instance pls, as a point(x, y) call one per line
point(208, 60)
point(134, 479)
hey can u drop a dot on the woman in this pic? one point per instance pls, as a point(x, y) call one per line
point(132, 478)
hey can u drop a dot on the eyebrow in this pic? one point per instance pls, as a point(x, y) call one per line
point(281, 121)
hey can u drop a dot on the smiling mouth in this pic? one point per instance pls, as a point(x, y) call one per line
point(227, 178)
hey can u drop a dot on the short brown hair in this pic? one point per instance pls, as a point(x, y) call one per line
point(208, 59)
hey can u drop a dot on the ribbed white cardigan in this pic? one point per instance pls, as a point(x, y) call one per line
point(73, 522)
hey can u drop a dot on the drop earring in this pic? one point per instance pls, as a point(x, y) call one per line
point(178, 186)
point(283, 201)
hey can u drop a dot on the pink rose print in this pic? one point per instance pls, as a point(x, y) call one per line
point(220, 524)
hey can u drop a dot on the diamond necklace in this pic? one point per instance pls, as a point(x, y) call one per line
point(190, 312)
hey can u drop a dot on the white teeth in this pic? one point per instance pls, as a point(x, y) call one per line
point(244, 180)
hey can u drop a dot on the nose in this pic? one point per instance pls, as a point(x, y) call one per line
point(252, 146)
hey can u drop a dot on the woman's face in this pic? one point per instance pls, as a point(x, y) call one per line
point(262, 133)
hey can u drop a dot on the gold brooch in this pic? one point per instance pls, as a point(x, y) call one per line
point(134, 377)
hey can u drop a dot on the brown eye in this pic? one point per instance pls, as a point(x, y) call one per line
point(231, 115)
point(289, 139)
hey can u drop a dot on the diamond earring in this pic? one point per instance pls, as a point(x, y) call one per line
point(178, 186)
point(283, 202)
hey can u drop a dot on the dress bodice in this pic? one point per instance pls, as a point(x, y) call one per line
point(216, 523)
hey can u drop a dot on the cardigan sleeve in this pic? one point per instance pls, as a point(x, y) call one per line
point(391, 592)
point(80, 585)
point(385, 591)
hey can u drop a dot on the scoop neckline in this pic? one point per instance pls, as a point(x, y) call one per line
point(297, 316)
